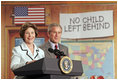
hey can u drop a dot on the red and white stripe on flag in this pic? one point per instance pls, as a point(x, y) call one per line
point(35, 15)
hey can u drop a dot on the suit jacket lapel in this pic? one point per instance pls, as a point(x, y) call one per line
point(61, 48)
point(25, 48)
point(36, 51)
point(47, 47)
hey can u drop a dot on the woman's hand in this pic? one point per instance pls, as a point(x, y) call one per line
point(30, 62)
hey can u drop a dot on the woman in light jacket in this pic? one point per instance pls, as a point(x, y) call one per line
point(27, 52)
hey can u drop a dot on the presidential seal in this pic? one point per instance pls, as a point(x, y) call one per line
point(66, 65)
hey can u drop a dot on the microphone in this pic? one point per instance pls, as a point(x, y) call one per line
point(62, 53)
point(51, 50)
point(56, 52)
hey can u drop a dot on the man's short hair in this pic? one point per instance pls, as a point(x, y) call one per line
point(53, 25)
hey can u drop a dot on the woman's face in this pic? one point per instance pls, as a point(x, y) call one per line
point(29, 35)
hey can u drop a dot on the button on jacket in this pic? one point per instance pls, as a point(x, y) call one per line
point(22, 54)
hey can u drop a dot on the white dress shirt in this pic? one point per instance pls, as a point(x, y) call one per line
point(53, 45)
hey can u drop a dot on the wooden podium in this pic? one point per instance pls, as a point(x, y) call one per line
point(48, 68)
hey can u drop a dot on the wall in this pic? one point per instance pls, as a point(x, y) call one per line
point(53, 9)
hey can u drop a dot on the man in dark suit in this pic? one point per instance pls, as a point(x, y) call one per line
point(54, 34)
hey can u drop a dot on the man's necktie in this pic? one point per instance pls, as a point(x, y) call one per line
point(56, 47)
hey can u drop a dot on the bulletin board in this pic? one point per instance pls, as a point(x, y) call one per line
point(37, 41)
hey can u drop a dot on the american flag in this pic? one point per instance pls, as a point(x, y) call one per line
point(35, 15)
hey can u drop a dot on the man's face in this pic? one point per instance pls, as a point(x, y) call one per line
point(55, 34)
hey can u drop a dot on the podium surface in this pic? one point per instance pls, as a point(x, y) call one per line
point(48, 68)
